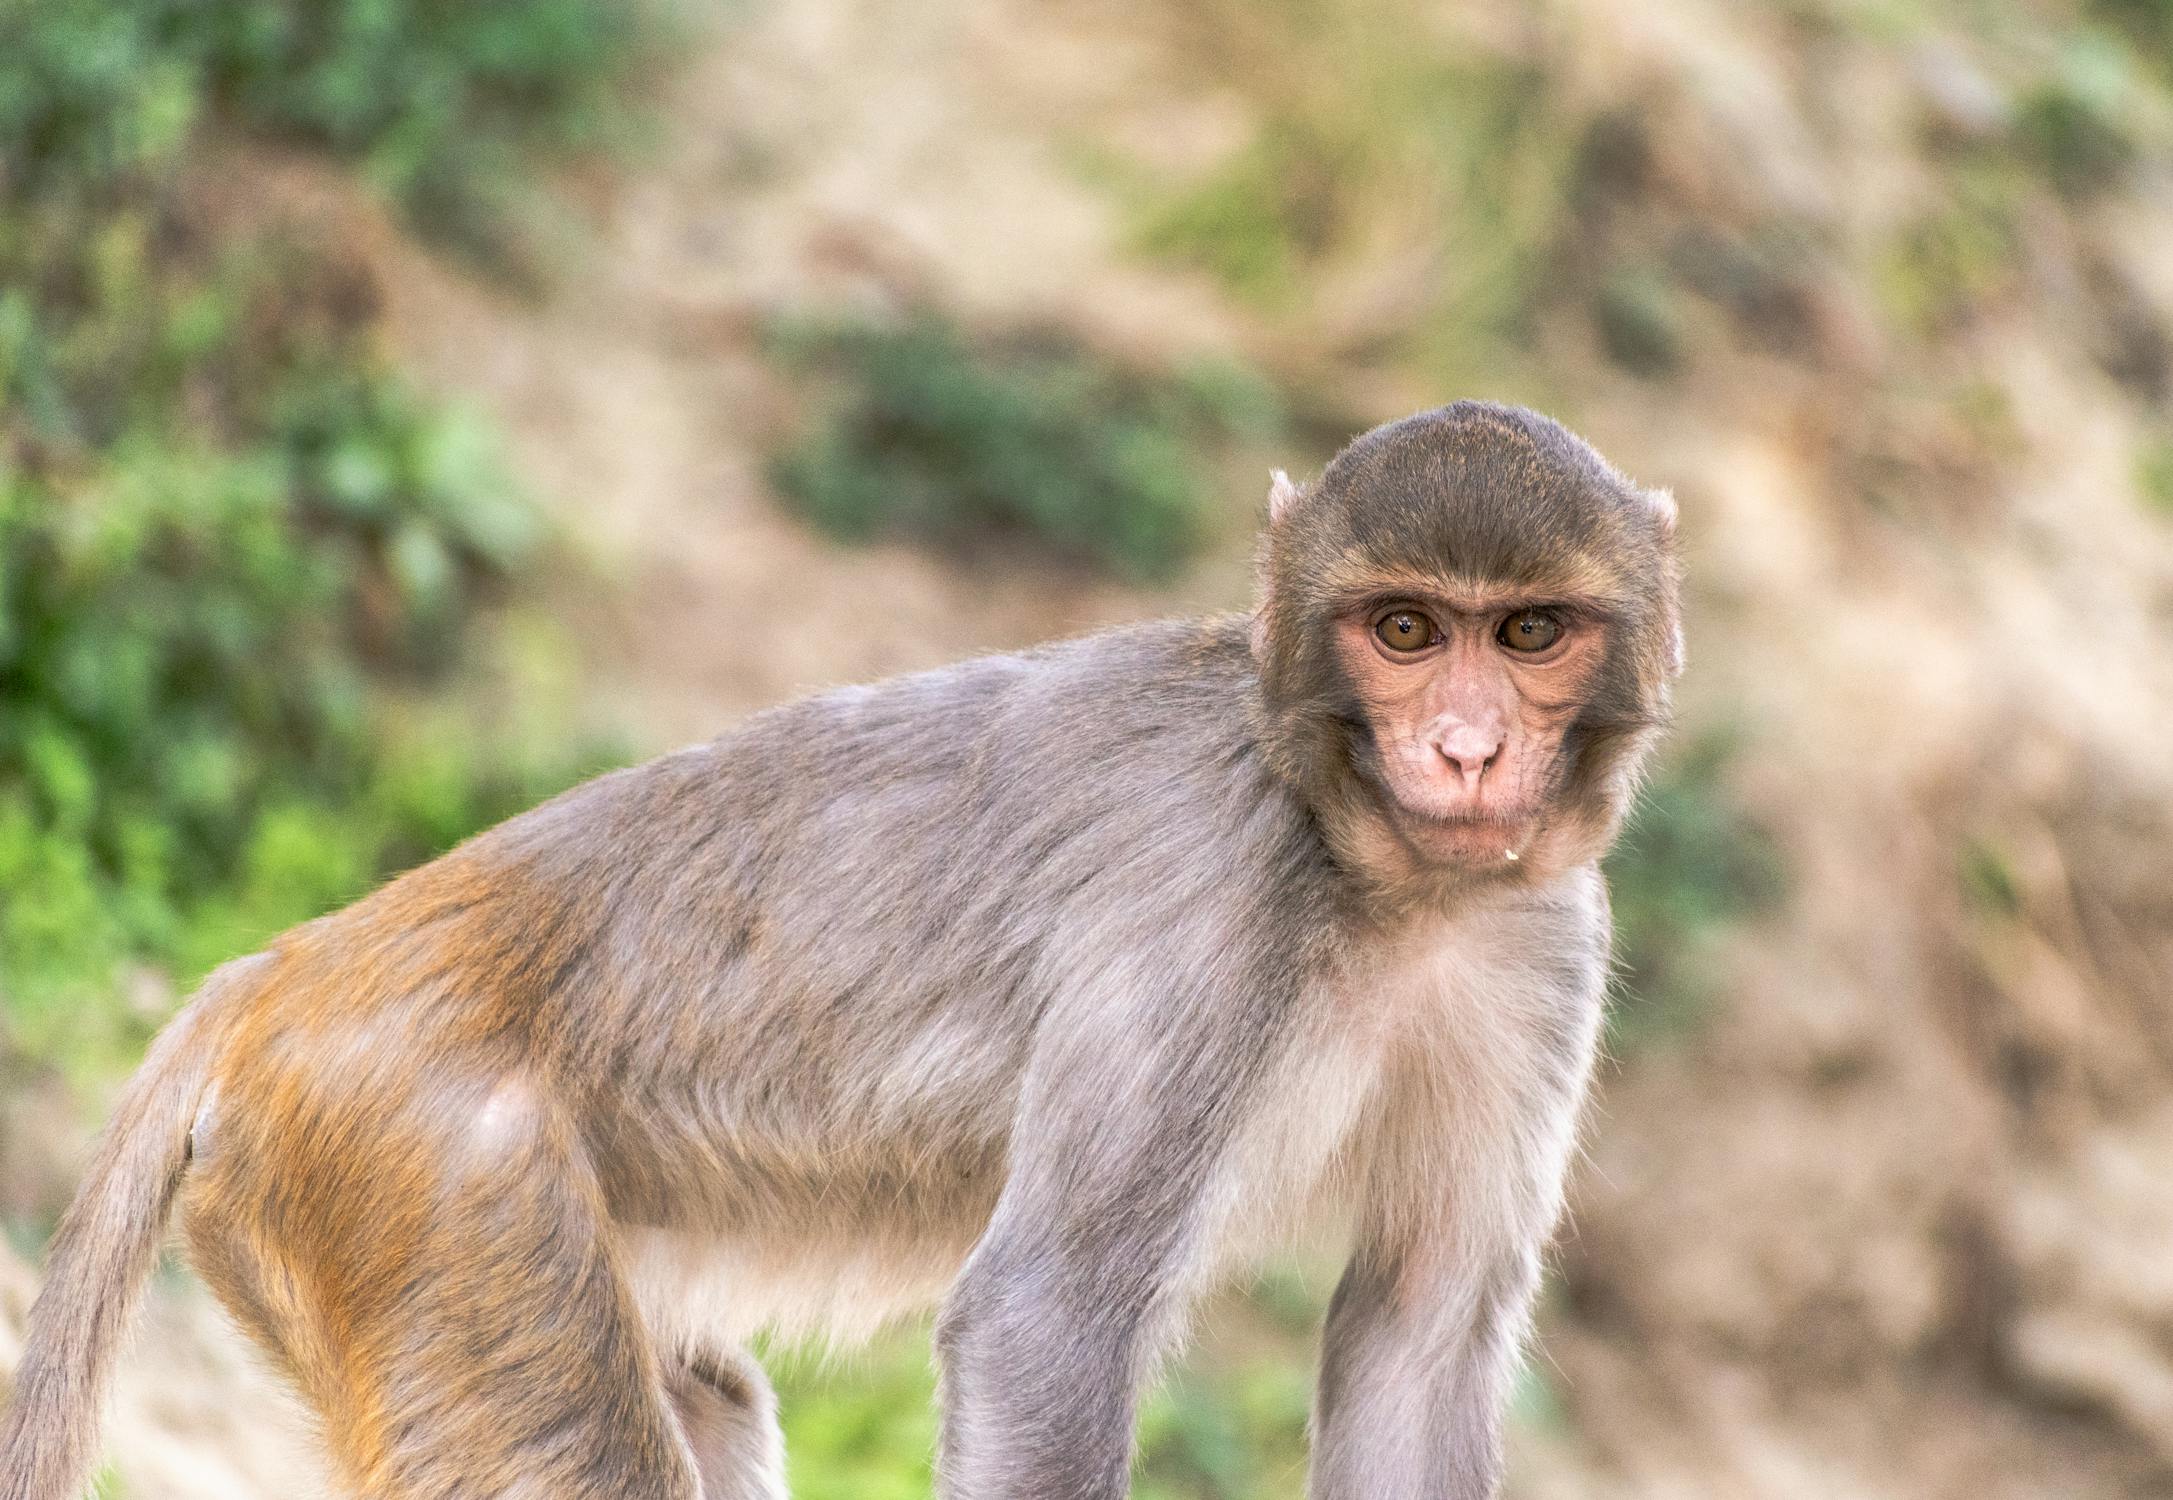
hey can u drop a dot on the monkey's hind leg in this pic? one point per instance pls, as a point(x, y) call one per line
point(451, 1306)
point(729, 1414)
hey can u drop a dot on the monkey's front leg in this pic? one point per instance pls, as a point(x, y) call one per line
point(1416, 1368)
point(1080, 1280)
point(1068, 1300)
point(1041, 1366)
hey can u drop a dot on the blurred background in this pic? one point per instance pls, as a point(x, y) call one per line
point(408, 407)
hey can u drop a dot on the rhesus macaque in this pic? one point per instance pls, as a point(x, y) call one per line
point(1049, 988)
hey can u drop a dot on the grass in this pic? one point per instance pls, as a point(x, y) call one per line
point(1640, 321)
point(446, 106)
point(864, 1427)
point(2073, 123)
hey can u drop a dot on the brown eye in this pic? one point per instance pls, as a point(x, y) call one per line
point(1533, 630)
point(1405, 630)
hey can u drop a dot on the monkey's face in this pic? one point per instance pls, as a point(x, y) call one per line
point(1466, 699)
point(1466, 638)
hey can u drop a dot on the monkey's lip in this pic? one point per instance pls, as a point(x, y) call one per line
point(1488, 834)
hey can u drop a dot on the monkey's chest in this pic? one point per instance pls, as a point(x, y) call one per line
point(1419, 1072)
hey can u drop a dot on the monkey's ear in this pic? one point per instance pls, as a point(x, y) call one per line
point(1663, 509)
point(1283, 496)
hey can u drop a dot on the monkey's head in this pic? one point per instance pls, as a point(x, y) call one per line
point(1466, 636)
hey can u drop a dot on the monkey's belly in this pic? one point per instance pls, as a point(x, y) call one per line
point(700, 1288)
point(822, 1239)
point(829, 1246)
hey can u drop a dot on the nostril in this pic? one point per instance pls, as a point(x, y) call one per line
point(1472, 752)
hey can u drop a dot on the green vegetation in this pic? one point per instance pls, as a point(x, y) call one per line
point(1417, 191)
point(233, 543)
point(1958, 255)
point(1989, 885)
point(863, 1427)
point(2154, 473)
point(1228, 1422)
point(1235, 1432)
point(1640, 321)
point(1370, 133)
point(860, 1426)
point(1259, 219)
point(922, 430)
point(2071, 132)
point(443, 106)
point(1690, 866)
point(2147, 24)
point(2072, 124)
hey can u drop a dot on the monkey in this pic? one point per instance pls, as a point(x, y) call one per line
point(1047, 991)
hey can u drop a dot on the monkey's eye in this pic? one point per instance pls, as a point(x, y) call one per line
point(1530, 630)
point(1405, 630)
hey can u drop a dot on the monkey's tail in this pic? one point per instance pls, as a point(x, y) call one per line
point(101, 1257)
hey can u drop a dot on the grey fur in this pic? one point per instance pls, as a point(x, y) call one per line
point(1034, 985)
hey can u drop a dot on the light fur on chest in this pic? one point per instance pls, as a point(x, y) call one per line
point(1439, 1074)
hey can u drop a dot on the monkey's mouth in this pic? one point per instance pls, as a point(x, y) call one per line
point(1496, 833)
point(1473, 836)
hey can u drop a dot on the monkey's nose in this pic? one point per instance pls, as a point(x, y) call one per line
point(1472, 751)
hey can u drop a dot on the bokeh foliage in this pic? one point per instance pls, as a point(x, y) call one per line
point(445, 105)
point(1228, 1424)
point(1374, 129)
point(235, 546)
point(1690, 868)
point(926, 431)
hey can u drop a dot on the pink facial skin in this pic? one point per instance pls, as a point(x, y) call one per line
point(1468, 729)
